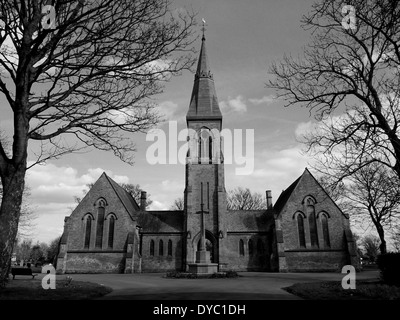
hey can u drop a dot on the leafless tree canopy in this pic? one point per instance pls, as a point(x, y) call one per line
point(348, 77)
point(372, 198)
point(243, 199)
point(353, 71)
point(371, 247)
point(91, 77)
point(179, 204)
point(78, 74)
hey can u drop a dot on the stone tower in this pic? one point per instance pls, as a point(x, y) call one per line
point(204, 167)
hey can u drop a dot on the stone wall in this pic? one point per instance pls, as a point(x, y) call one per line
point(97, 259)
point(165, 262)
point(95, 262)
point(306, 261)
point(214, 202)
point(246, 259)
point(321, 257)
point(123, 225)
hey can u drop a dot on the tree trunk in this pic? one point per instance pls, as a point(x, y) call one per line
point(13, 181)
point(381, 233)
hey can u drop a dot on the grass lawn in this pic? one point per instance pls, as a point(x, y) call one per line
point(332, 290)
point(28, 289)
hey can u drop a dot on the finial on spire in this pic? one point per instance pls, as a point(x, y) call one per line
point(203, 28)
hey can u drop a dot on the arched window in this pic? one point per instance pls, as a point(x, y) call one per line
point(199, 155)
point(250, 244)
point(161, 248)
point(100, 222)
point(241, 247)
point(205, 144)
point(210, 149)
point(310, 209)
point(325, 230)
point(300, 228)
point(111, 227)
point(88, 229)
point(260, 246)
point(152, 247)
point(170, 247)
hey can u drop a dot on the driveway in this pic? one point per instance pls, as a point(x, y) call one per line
point(249, 286)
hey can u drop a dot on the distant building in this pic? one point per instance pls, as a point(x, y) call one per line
point(109, 232)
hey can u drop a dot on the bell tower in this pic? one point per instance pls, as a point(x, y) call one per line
point(204, 183)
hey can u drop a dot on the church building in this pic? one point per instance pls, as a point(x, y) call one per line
point(109, 232)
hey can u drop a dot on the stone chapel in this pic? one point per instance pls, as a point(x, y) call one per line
point(109, 232)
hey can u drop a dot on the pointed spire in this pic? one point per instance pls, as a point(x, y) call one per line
point(204, 29)
point(203, 102)
point(203, 69)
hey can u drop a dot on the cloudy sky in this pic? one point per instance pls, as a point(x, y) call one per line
point(243, 39)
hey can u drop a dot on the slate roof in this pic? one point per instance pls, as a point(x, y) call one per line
point(161, 221)
point(249, 220)
point(126, 199)
point(284, 196)
point(203, 102)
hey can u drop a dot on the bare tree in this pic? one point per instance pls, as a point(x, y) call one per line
point(374, 195)
point(371, 247)
point(243, 199)
point(135, 191)
point(28, 215)
point(80, 75)
point(353, 69)
point(23, 251)
point(38, 253)
point(371, 196)
point(179, 204)
point(52, 250)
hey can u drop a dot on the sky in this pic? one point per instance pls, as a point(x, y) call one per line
point(243, 40)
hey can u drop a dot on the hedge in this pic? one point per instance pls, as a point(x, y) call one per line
point(389, 265)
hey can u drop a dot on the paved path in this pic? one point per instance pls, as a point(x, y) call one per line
point(250, 286)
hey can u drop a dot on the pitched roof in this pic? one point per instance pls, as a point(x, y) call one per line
point(327, 194)
point(126, 199)
point(64, 237)
point(284, 196)
point(203, 102)
point(249, 220)
point(161, 221)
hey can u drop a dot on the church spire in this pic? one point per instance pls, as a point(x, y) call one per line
point(203, 102)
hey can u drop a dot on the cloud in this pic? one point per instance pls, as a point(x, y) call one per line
point(263, 100)
point(61, 184)
point(304, 128)
point(159, 68)
point(52, 194)
point(168, 109)
point(165, 193)
point(158, 205)
point(274, 170)
point(338, 121)
point(234, 104)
